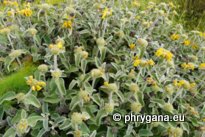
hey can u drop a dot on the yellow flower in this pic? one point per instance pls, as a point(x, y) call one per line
point(11, 13)
point(151, 81)
point(150, 62)
point(202, 34)
point(202, 66)
point(188, 66)
point(10, 3)
point(195, 46)
point(161, 52)
point(136, 62)
point(26, 12)
point(106, 12)
point(35, 84)
point(106, 83)
point(171, 4)
point(57, 48)
point(135, 3)
point(175, 36)
point(187, 42)
point(182, 83)
point(132, 46)
point(67, 24)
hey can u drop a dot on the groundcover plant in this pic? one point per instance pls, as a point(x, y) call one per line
point(91, 59)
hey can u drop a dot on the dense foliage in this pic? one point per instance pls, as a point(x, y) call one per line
point(95, 58)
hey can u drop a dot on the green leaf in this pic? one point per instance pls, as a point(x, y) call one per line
point(109, 132)
point(96, 98)
point(45, 124)
point(32, 100)
point(72, 69)
point(74, 102)
point(23, 114)
point(145, 132)
point(72, 84)
point(129, 129)
point(41, 132)
point(83, 65)
point(84, 128)
point(11, 132)
point(32, 120)
point(97, 62)
point(65, 125)
point(93, 134)
point(120, 95)
point(101, 114)
point(53, 99)
point(17, 117)
point(7, 97)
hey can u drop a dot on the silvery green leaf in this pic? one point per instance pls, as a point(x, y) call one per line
point(11, 132)
point(101, 114)
point(32, 100)
point(84, 128)
point(7, 97)
point(53, 99)
point(41, 132)
point(109, 132)
point(32, 120)
point(74, 102)
point(65, 125)
point(23, 114)
point(93, 133)
point(145, 133)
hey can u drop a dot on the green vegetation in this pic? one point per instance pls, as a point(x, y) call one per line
point(16, 81)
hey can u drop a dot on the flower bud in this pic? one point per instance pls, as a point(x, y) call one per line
point(16, 53)
point(169, 89)
point(134, 87)
point(60, 41)
point(20, 97)
point(136, 107)
point(84, 95)
point(84, 54)
point(132, 74)
point(101, 42)
point(32, 31)
point(109, 107)
point(120, 34)
point(97, 73)
point(175, 132)
point(22, 127)
point(168, 107)
point(111, 87)
point(155, 88)
point(77, 133)
point(56, 73)
point(142, 42)
point(76, 118)
point(43, 68)
point(186, 85)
